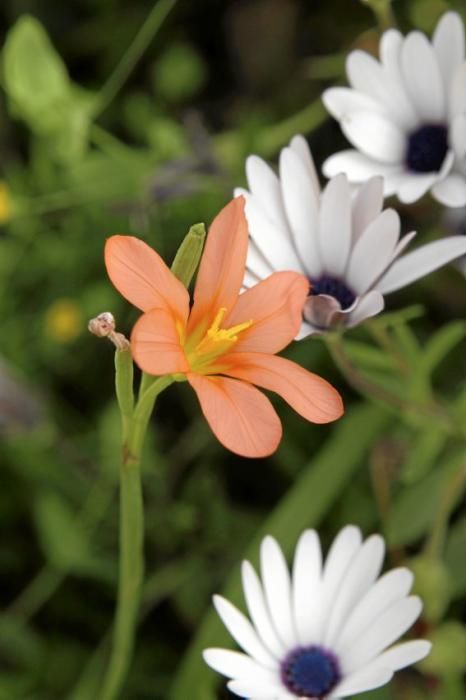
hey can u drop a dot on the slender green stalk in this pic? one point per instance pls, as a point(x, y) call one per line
point(131, 572)
point(132, 55)
point(435, 544)
point(383, 12)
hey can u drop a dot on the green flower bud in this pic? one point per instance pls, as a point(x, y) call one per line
point(433, 585)
point(448, 655)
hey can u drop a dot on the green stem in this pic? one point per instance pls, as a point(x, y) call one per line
point(383, 12)
point(131, 571)
point(133, 54)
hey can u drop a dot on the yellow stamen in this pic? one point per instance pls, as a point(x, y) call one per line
point(216, 342)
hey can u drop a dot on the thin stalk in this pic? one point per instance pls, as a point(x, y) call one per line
point(383, 13)
point(435, 544)
point(131, 571)
point(132, 55)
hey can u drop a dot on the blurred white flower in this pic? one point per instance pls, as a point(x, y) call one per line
point(406, 114)
point(327, 630)
point(348, 248)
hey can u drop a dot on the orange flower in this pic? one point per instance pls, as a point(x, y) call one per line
point(227, 341)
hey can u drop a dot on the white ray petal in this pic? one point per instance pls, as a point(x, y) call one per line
point(273, 243)
point(422, 77)
point(391, 587)
point(302, 209)
point(335, 225)
point(457, 101)
point(299, 145)
point(341, 101)
point(448, 43)
point(452, 191)
point(373, 251)
point(243, 632)
point(256, 262)
point(415, 187)
point(234, 664)
point(256, 691)
point(458, 136)
point(258, 611)
point(405, 654)
point(383, 83)
point(383, 631)
point(375, 136)
point(306, 330)
point(343, 549)
point(370, 677)
point(360, 575)
point(421, 262)
point(369, 305)
point(356, 166)
point(265, 187)
point(367, 205)
point(307, 569)
point(277, 589)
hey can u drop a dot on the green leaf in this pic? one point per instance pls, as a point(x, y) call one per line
point(424, 454)
point(35, 77)
point(323, 480)
point(63, 543)
point(366, 356)
point(416, 506)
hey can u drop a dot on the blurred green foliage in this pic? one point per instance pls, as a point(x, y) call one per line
point(95, 140)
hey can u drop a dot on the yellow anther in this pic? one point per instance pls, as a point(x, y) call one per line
point(218, 340)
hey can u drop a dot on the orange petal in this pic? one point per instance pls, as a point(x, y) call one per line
point(155, 344)
point(241, 417)
point(310, 395)
point(275, 306)
point(141, 276)
point(222, 265)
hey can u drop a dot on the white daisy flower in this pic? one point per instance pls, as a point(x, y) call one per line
point(327, 630)
point(406, 114)
point(346, 245)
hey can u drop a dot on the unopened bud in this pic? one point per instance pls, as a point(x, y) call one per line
point(103, 326)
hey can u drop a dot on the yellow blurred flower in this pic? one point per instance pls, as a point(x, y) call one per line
point(64, 321)
point(5, 203)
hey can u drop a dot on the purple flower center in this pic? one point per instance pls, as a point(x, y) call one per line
point(333, 287)
point(426, 148)
point(310, 672)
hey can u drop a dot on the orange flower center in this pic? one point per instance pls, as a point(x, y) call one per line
point(215, 343)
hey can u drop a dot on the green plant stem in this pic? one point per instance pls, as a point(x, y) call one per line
point(132, 55)
point(383, 12)
point(131, 572)
point(274, 137)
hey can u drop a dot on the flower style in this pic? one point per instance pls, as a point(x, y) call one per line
point(406, 114)
point(227, 341)
point(325, 631)
point(346, 245)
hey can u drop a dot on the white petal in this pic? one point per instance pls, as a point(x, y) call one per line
point(367, 204)
point(299, 145)
point(335, 225)
point(256, 691)
point(343, 549)
point(452, 191)
point(405, 654)
point(265, 188)
point(383, 631)
point(448, 43)
point(306, 330)
point(370, 677)
point(391, 587)
point(422, 77)
point(249, 280)
point(458, 136)
point(359, 577)
point(234, 664)
point(258, 611)
point(369, 305)
point(421, 262)
point(383, 84)
point(302, 209)
point(415, 187)
point(372, 252)
point(277, 589)
point(457, 100)
point(357, 166)
point(274, 243)
point(375, 136)
point(256, 263)
point(307, 570)
point(341, 101)
point(243, 632)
